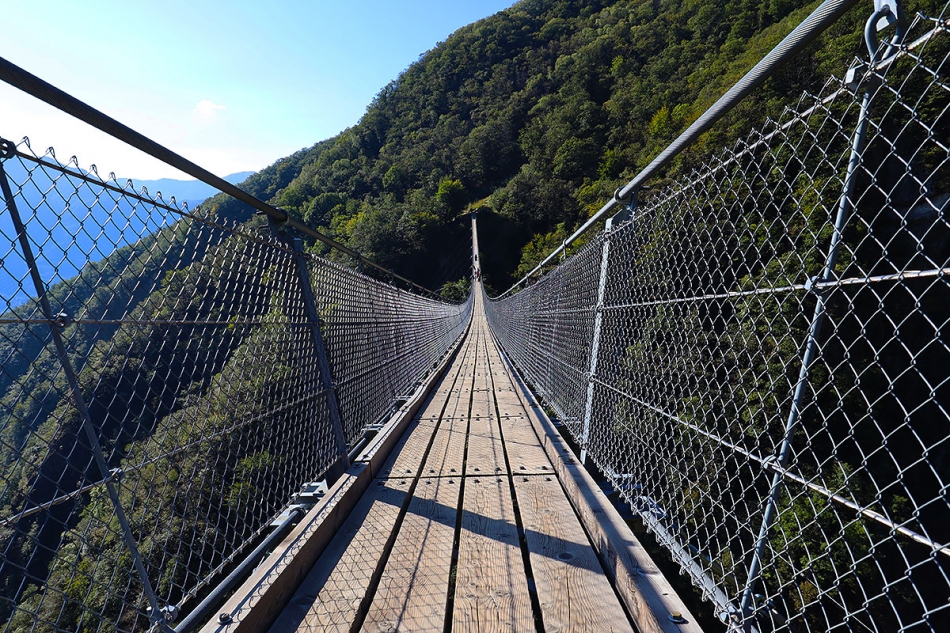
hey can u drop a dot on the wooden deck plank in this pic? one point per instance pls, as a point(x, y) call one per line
point(332, 593)
point(448, 450)
point(574, 592)
point(509, 405)
point(491, 591)
point(452, 388)
point(526, 456)
point(525, 453)
point(486, 453)
point(406, 458)
point(414, 585)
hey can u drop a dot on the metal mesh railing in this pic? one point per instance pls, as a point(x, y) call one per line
point(757, 358)
point(170, 379)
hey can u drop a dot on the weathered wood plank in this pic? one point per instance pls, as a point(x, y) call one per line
point(406, 458)
point(491, 591)
point(648, 595)
point(332, 594)
point(453, 386)
point(525, 454)
point(574, 592)
point(486, 453)
point(414, 585)
point(448, 450)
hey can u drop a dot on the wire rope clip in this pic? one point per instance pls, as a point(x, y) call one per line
point(812, 285)
point(855, 78)
point(7, 149)
point(62, 320)
point(168, 613)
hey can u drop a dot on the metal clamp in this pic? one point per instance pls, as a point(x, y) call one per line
point(857, 76)
point(7, 149)
point(166, 614)
point(62, 320)
point(630, 204)
point(812, 285)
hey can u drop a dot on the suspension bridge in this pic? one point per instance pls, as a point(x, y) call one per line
point(204, 425)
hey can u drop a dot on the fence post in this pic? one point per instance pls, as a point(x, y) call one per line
point(814, 285)
point(323, 362)
point(158, 615)
point(595, 342)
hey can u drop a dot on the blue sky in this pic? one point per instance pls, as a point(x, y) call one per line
point(232, 86)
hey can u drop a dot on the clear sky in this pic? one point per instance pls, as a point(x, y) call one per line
point(232, 85)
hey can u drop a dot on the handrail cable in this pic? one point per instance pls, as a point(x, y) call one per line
point(50, 94)
point(827, 13)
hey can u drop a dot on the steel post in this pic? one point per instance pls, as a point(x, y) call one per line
point(57, 323)
point(595, 341)
point(811, 353)
point(325, 379)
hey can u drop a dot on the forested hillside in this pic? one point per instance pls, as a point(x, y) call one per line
point(539, 112)
point(534, 116)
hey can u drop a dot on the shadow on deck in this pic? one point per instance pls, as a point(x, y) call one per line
point(469, 514)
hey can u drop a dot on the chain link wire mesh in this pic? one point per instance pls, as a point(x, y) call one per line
point(189, 405)
point(767, 391)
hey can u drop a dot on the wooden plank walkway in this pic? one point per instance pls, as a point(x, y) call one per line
point(466, 527)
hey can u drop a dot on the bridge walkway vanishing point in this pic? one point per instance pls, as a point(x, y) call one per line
point(469, 526)
point(467, 461)
point(753, 353)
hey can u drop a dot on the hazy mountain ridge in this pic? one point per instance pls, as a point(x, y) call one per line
point(192, 192)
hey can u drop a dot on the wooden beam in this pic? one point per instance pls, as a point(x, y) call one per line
point(491, 588)
point(574, 592)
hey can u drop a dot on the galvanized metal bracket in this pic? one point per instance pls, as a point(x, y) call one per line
point(7, 149)
point(62, 320)
point(895, 13)
point(629, 207)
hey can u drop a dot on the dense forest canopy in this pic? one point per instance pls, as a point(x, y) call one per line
point(537, 114)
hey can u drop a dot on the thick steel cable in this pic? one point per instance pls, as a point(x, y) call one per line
point(811, 27)
point(50, 94)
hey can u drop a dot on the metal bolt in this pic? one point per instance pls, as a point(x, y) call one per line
point(224, 618)
point(62, 320)
point(677, 617)
point(170, 612)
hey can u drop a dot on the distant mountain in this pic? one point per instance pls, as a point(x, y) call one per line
point(70, 222)
point(193, 192)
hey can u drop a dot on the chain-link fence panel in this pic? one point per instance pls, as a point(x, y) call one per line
point(757, 358)
point(165, 392)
